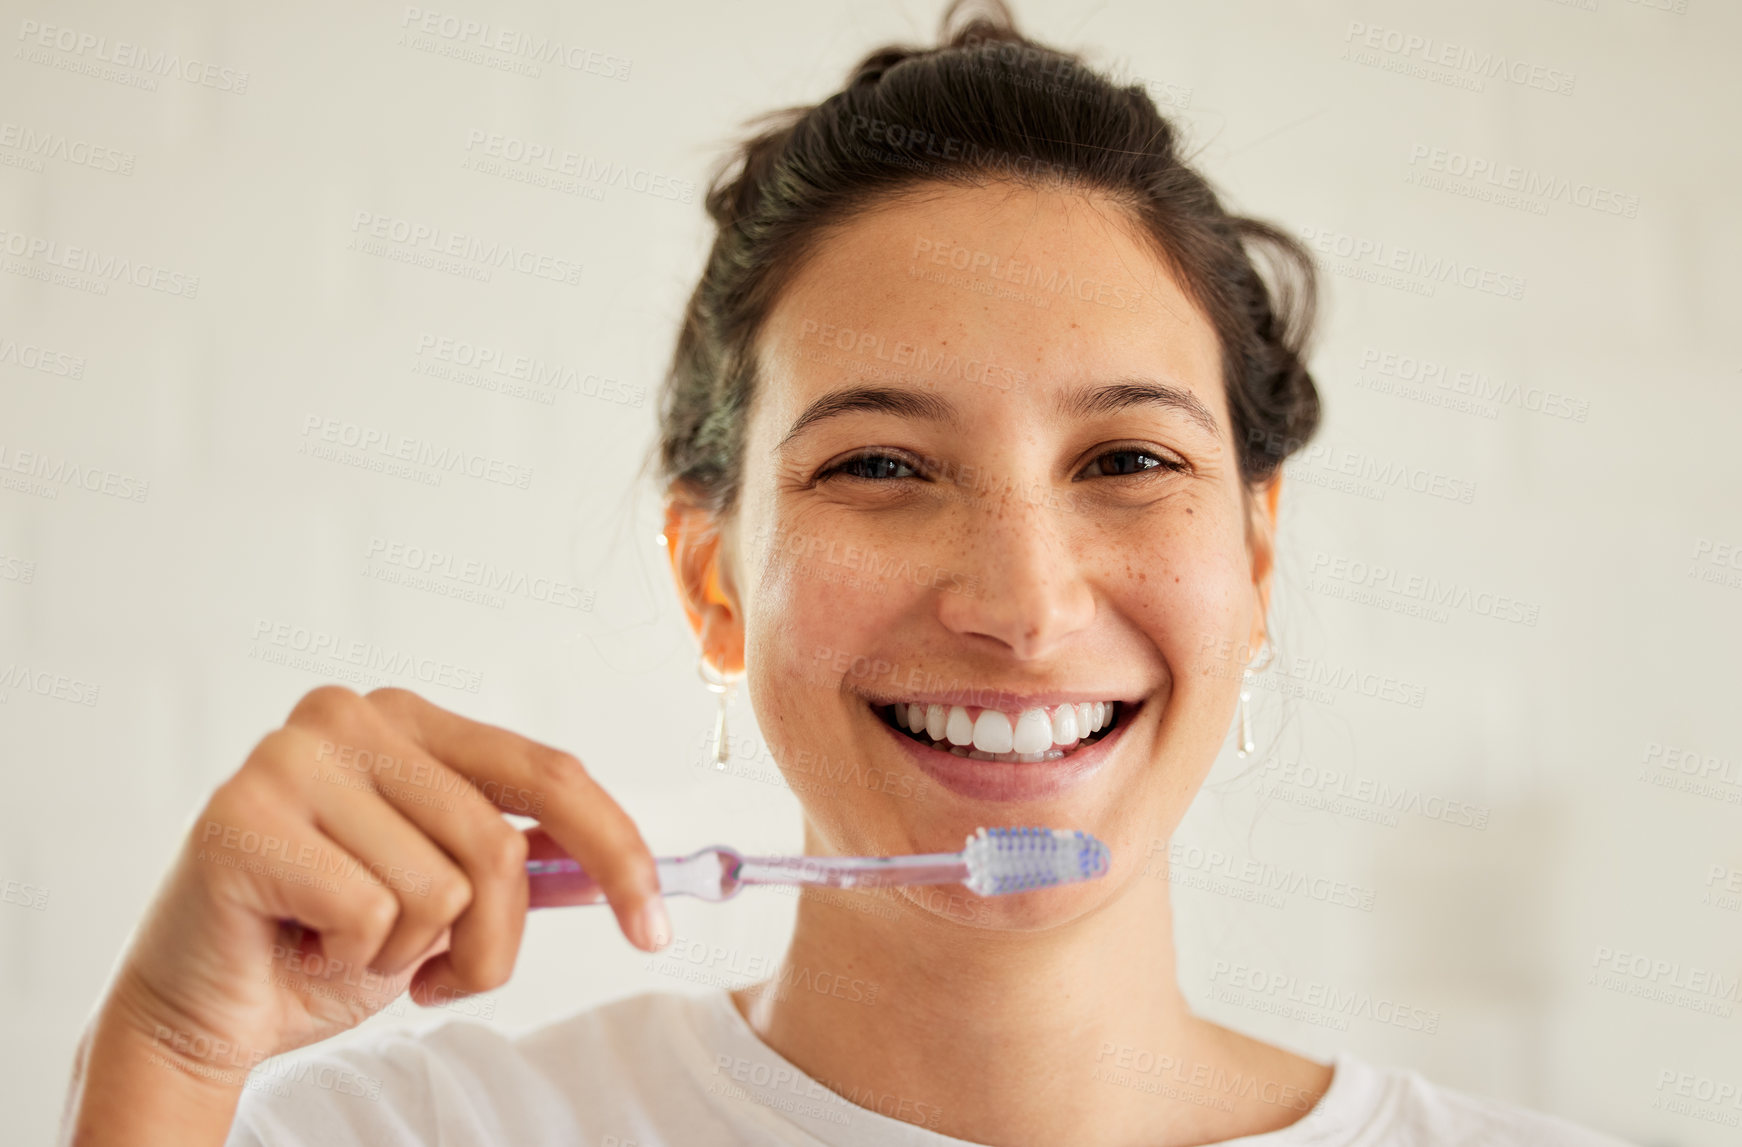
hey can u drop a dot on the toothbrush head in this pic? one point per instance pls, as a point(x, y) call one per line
point(1004, 860)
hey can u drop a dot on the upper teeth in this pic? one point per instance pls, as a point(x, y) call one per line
point(992, 731)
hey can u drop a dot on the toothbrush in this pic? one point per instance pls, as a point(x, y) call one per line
point(994, 861)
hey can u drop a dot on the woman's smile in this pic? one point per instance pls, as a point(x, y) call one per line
point(990, 753)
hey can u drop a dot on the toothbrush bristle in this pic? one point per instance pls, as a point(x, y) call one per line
point(1004, 860)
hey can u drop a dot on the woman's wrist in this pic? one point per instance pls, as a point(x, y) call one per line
point(142, 1081)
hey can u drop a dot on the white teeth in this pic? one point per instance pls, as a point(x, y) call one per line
point(1064, 725)
point(1033, 732)
point(959, 730)
point(992, 732)
point(1036, 735)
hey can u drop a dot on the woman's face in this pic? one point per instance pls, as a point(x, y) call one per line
point(990, 465)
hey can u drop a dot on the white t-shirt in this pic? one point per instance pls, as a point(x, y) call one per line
point(670, 1069)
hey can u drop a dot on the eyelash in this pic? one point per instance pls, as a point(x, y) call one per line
point(1164, 463)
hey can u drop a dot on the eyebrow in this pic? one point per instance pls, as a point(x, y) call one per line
point(1085, 402)
point(1114, 397)
point(897, 400)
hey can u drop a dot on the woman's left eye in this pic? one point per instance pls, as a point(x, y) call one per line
point(1160, 461)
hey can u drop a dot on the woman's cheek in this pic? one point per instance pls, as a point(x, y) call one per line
point(1197, 610)
point(819, 621)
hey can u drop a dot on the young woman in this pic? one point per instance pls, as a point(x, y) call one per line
point(972, 436)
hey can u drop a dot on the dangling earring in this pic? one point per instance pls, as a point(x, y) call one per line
point(1246, 744)
point(723, 685)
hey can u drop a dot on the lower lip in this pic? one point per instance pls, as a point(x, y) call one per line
point(1010, 780)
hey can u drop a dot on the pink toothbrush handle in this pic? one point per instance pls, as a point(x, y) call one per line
point(560, 883)
point(711, 874)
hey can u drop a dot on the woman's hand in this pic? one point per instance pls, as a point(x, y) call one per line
point(360, 849)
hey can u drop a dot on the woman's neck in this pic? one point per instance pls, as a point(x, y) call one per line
point(1074, 1034)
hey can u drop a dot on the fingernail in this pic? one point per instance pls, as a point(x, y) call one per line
point(653, 924)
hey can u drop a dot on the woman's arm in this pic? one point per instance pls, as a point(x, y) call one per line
point(132, 1086)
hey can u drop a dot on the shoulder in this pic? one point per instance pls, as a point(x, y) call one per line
point(460, 1082)
point(1415, 1111)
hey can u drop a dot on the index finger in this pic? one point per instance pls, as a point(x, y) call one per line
point(523, 776)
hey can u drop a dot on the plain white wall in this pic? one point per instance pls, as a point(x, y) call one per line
point(1548, 861)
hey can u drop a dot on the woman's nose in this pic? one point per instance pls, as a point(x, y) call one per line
point(1024, 583)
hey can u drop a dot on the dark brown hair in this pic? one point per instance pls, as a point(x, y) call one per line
point(986, 104)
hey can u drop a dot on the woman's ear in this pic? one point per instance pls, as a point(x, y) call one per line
point(1261, 544)
point(700, 564)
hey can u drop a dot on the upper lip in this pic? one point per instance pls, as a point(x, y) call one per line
point(1003, 700)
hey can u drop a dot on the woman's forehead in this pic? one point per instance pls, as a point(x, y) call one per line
point(1007, 290)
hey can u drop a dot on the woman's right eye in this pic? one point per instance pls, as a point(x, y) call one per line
point(870, 467)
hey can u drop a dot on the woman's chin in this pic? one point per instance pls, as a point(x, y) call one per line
point(1035, 911)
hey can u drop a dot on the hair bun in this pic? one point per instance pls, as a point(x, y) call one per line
point(969, 23)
